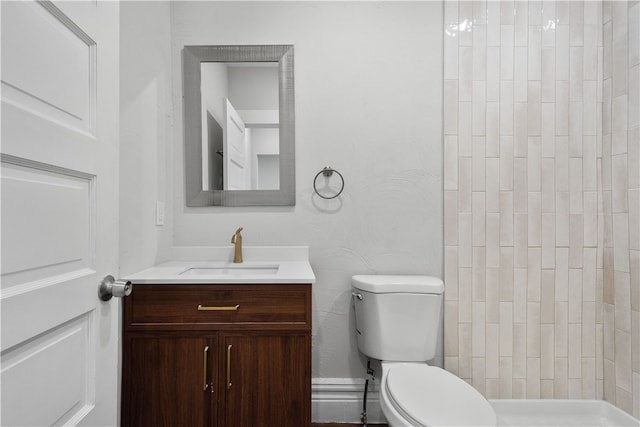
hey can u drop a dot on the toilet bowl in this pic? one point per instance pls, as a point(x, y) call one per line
point(417, 395)
point(397, 321)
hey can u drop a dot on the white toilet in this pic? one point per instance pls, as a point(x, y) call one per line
point(397, 323)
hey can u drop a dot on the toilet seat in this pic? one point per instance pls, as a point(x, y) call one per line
point(430, 396)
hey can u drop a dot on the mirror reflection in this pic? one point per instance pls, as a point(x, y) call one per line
point(240, 126)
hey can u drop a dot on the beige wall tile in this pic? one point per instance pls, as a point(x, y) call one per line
point(464, 345)
point(590, 232)
point(451, 326)
point(520, 239)
point(492, 184)
point(547, 357)
point(506, 378)
point(464, 295)
point(623, 360)
point(622, 301)
point(478, 329)
point(548, 253)
point(465, 239)
point(619, 182)
point(533, 330)
point(561, 330)
point(560, 381)
point(548, 184)
point(533, 378)
point(493, 240)
point(589, 274)
point(506, 273)
point(520, 113)
point(451, 218)
point(520, 185)
point(562, 219)
point(507, 329)
point(450, 162)
point(547, 297)
point(575, 351)
point(478, 158)
point(478, 275)
point(562, 274)
point(588, 378)
point(492, 346)
point(519, 364)
point(575, 185)
point(574, 388)
point(534, 274)
point(634, 276)
point(479, 380)
point(450, 106)
point(546, 389)
point(608, 332)
point(635, 341)
point(464, 184)
point(576, 242)
point(621, 241)
point(519, 388)
point(535, 218)
point(575, 295)
point(493, 295)
point(506, 218)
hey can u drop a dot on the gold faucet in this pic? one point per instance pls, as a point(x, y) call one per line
point(236, 239)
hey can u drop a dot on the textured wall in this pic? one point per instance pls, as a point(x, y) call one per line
point(368, 85)
point(621, 204)
point(145, 132)
point(538, 220)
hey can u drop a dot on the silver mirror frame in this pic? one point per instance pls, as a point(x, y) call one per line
point(192, 57)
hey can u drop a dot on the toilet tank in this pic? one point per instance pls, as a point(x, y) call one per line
point(397, 317)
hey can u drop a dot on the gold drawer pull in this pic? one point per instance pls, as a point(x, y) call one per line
point(221, 308)
point(204, 369)
point(229, 347)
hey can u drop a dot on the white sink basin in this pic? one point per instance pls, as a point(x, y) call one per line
point(231, 270)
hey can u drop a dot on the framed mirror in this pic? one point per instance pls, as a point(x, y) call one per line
point(239, 125)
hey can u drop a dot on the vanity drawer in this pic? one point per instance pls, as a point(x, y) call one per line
point(187, 306)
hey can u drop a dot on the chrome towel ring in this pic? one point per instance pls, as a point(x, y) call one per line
point(327, 172)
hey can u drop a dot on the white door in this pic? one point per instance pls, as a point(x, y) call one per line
point(233, 147)
point(59, 343)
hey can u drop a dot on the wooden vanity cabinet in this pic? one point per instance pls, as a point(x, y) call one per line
point(217, 365)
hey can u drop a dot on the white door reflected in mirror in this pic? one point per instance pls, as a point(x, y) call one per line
point(240, 126)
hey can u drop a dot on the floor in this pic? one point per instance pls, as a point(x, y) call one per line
point(344, 425)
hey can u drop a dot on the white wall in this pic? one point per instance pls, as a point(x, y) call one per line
point(145, 133)
point(368, 94)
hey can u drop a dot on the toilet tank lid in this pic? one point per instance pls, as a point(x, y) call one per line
point(383, 284)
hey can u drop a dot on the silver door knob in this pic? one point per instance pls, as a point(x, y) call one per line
point(110, 287)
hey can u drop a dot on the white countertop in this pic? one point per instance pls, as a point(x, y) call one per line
point(176, 272)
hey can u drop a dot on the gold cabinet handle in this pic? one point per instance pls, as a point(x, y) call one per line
point(204, 368)
point(218, 308)
point(229, 366)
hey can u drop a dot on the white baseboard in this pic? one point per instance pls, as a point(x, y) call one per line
point(340, 400)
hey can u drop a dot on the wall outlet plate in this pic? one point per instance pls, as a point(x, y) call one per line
point(159, 213)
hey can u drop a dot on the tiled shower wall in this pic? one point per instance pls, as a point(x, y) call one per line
point(527, 231)
point(621, 203)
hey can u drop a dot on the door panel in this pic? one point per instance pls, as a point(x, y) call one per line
point(234, 149)
point(45, 41)
point(270, 380)
point(59, 174)
point(62, 393)
point(168, 380)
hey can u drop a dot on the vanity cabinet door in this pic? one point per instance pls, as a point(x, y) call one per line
point(266, 379)
point(167, 380)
